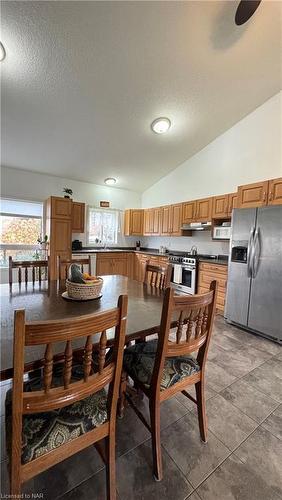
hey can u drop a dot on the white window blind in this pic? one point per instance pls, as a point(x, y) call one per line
point(103, 226)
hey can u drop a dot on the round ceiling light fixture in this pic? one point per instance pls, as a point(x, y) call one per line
point(2, 52)
point(110, 181)
point(161, 125)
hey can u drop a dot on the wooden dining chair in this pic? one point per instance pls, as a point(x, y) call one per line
point(64, 265)
point(39, 270)
point(163, 367)
point(58, 416)
point(157, 276)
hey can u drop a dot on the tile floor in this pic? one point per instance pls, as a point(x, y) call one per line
point(241, 461)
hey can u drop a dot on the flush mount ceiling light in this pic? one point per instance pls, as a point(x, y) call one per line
point(110, 181)
point(161, 125)
point(2, 52)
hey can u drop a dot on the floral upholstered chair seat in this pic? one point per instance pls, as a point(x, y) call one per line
point(43, 432)
point(139, 362)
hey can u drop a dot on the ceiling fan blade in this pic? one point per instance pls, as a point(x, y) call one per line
point(245, 10)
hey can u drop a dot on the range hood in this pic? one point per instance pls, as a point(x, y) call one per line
point(197, 226)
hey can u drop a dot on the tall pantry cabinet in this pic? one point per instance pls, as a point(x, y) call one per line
point(58, 229)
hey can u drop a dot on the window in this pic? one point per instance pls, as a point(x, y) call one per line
point(20, 227)
point(103, 226)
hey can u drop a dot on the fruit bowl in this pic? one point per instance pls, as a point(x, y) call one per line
point(91, 289)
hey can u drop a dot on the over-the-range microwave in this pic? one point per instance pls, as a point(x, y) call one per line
point(222, 232)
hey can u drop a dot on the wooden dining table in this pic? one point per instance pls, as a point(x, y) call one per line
point(45, 302)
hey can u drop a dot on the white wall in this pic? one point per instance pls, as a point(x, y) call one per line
point(24, 185)
point(248, 152)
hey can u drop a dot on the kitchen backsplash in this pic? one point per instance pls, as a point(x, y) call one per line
point(202, 240)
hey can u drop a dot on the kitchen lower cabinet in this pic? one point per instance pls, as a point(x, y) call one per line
point(208, 272)
point(113, 263)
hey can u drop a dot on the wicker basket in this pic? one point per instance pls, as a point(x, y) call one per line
point(81, 291)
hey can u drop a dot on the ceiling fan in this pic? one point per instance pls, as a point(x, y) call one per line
point(245, 10)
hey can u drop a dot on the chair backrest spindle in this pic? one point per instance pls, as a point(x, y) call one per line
point(23, 266)
point(158, 276)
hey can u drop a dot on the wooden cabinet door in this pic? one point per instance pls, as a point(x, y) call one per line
point(176, 220)
point(156, 229)
point(166, 217)
point(104, 265)
point(188, 212)
point(220, 206)
point(253, 195)
point(232, 202)
point(60, 244)
point(77, 217)
point(147, 221)
point(120, 265)
point(275, 192)
point(60, 208)
point(60, 240)
point(137, 222)
point(126, 223)
point(203, 210)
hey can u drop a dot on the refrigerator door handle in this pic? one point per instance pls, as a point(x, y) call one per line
point(250, 253)
point(256, 253)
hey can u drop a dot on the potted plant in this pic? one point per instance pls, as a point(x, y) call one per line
point(68, 192)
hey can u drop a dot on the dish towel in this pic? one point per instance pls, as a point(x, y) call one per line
point(177, 273)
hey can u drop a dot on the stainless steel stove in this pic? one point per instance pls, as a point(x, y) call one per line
point(184, 272)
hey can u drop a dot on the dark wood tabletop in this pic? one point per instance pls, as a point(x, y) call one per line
point(45, 302)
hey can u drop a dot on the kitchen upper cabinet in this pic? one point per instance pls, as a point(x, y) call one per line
point(157, 213)
point(176, 219)
point(203, 210)
point(223, 205)
point(188, 212)
point(77, 217)
point(166, 211)
point(232, 202)
point(253, 195)
point(147, 221)
point(172, 220)
point(275, 192)
point(137, 222)
point(59, 208)
point(220, 206)
point(133, 222)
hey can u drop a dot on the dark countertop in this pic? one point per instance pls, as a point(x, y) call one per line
point(215, 259)
point(220, 261)
point(119, 250)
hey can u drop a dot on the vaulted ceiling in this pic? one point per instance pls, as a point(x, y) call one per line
point(82, 82)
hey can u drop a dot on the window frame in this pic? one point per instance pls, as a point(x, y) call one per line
point(116, 212)
point(6, 247)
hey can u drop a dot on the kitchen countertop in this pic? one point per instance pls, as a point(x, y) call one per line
point(220, 259)
point(118, 250)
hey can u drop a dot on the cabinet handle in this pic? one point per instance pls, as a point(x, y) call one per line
point(264, 196)
point(270, 196)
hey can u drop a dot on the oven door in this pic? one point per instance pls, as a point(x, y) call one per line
point(189, 278)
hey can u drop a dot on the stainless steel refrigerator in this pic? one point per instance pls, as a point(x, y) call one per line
point(254, 287)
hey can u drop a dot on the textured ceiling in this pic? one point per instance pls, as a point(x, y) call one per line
point(82, 82)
